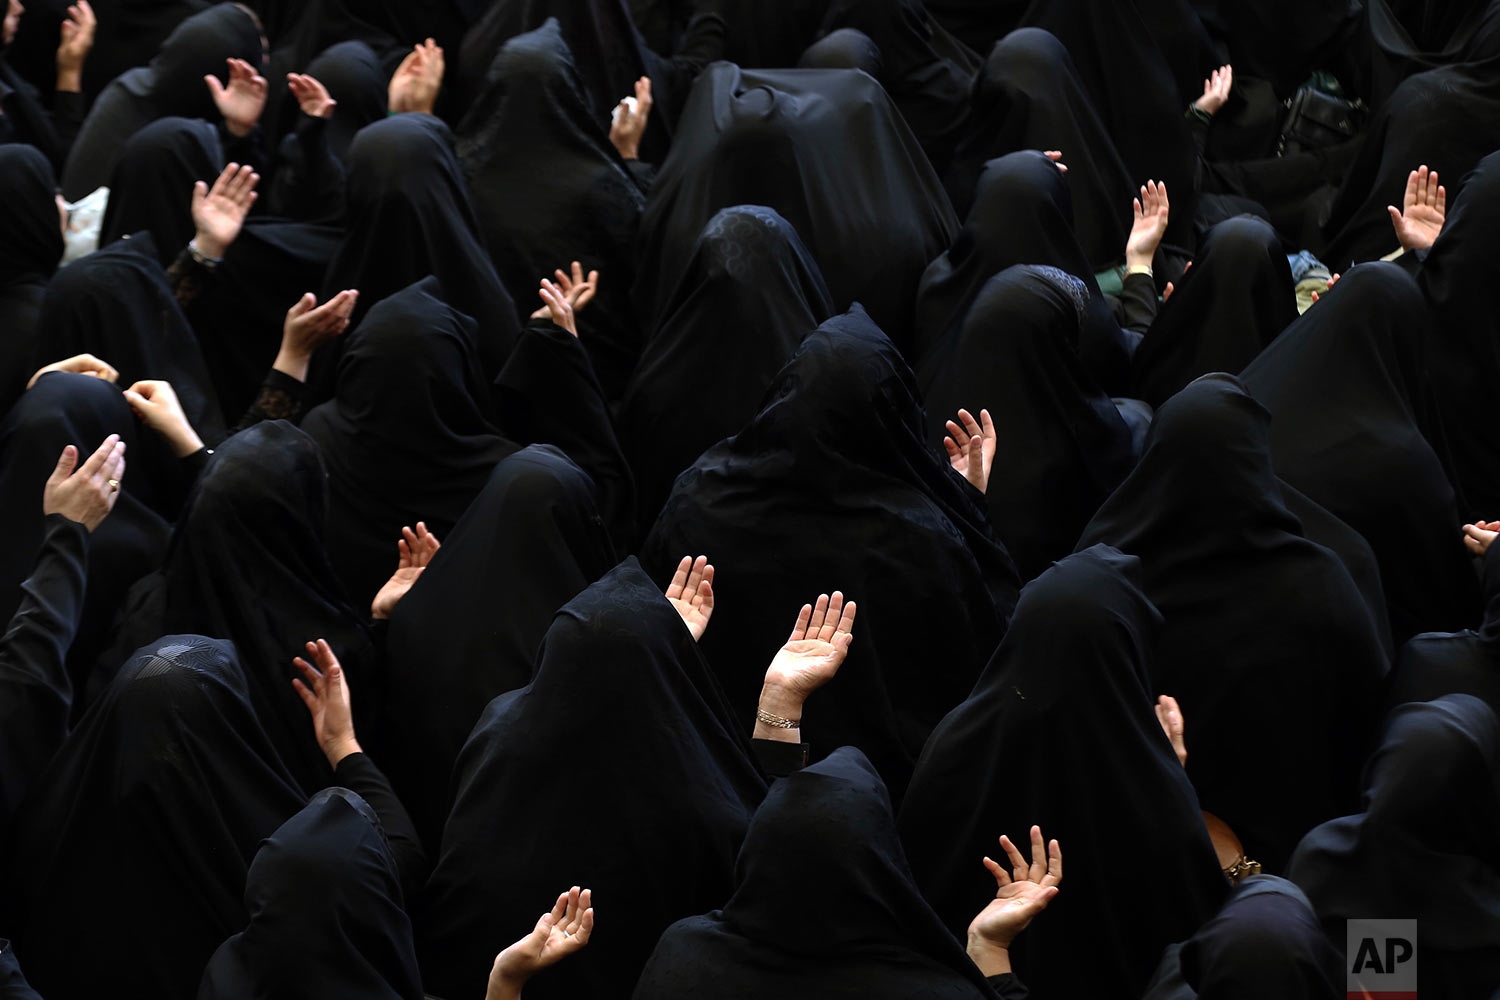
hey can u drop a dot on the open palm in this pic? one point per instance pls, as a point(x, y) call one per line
point(1423, 209)
point(692, 593)
point(1020, 894)
point(816, 649)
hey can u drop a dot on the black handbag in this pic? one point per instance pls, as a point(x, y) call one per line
point(1316, 119)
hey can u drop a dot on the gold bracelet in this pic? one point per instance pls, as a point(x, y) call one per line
point(776, 721)
point(1139, 269)
point(1242, 868)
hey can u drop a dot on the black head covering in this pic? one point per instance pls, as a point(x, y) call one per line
point(827, 834)
point(247, 564)
point(838, 460)
point(62, 409)
point(1463, 349)
point(1062, 446)
point(171, 85)
point(468, 632)
point(648, 810)
point(751, 292)
point(324, 899)
point(1251, 605)
point(830, 152)
point(353, 75)
point(1466, 662)
point(550, 188)
point(116, 304)
point(1343, 386)
point(1447, 116)
point(1236, 299)
point(29, 255)
point(151, 187)
point(1266, 942)
point(1060, 732)
point(397, 457)
point(1028, 95)
point(1431, 806)
point(410, 216)
point(1022, 214)
point(137, 845)
point(610, 54)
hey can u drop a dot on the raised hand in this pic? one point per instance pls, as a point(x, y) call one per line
point(816, 648)
point(308, 325)
point(156, 404)
point(1216, 90)
point(971, 447)
point(219, 212)
point(312, 97)
point(1055, 155)
point(86, 494)
point(414, 551)
point(628, 122)
point(1423, 209)
point(75, 42)
point(415, 85)
point(326, 696)
point(692, 594)
point(555, 302)
point(243, 100)
point(1019, 896)
point(1152, 211)
point(558, 934)
point(1169, 714)
point(1479, 535)
point(82, 364)
point(579, 291)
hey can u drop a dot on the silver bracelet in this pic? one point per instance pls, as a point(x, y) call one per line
point(776, 721)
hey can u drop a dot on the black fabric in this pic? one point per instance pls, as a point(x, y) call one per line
point(1445, 117)
point(926, 70)
point(151, 186)
point(1236, 299)
point(1463, 348)
point(650, 820)
point(836, 472)
point(1062, 446)
point(406, 436)
point(63, 409)
point(29, 255)
point(25, 119)
point(827, 150)
point(172, 84)
point(751, 292)
point(36, 693)
point(116, 305)
point(326, 917)
point(1060, 732)
point(549, 188)
point(1343, 386)
point(1256, 39)
point(247, 564)
point(610, 56)
point(824, 834)
point(1029, 95)
point(468, 632)
point(1265, 942)
point(137, 844)
point(1251, 605)
point(1466, 662)
point(409, 216)
point(1431, 805)
point(1022, 214)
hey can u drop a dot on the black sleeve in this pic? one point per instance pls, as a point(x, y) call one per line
point(243, 149)
point(280, 398)
point(358, 773)
point(36, 693)
point(1009, 987)
point(643, 173)
point(188, 277)
point(547, 393)
point(309, 179)
point(69, 108)
point(1137, 303)
point(778, 759)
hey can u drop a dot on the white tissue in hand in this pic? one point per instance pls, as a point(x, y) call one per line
point(630, 103)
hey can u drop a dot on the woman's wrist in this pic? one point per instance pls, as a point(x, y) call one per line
point(70, 79)
point(293, 363)
point(184, 441)
point(339, 749)
point(780, 705)
point(992, 959)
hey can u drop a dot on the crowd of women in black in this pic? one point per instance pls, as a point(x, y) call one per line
point(420, 423)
